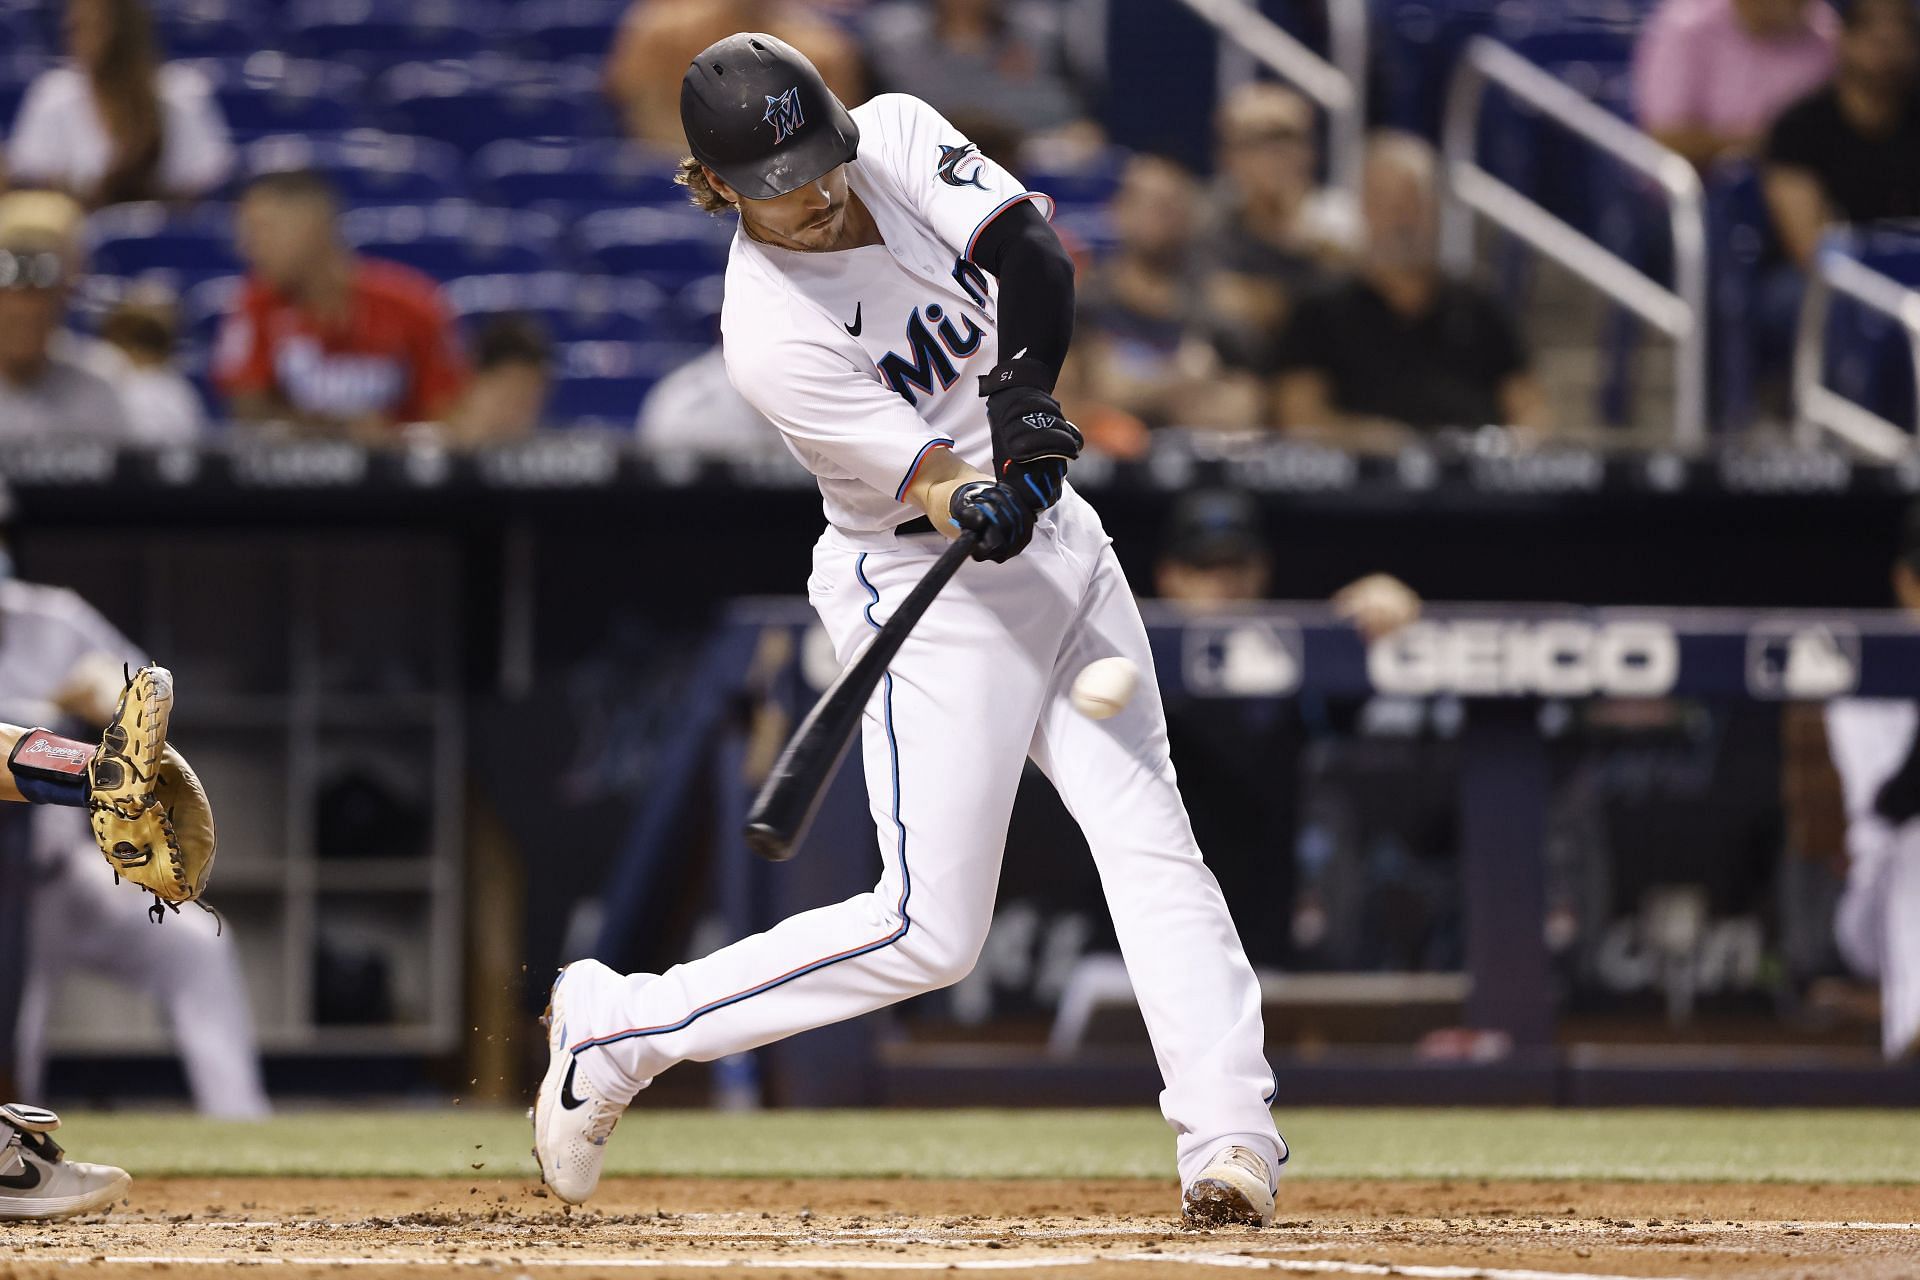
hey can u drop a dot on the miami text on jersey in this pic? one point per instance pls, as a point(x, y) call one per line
point(930, 363)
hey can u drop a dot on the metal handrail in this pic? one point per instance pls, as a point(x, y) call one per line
point(1817, 406)
point(1337, 85)
point(1679, 312)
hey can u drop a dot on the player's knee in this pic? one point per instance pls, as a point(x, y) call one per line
point(941, 958)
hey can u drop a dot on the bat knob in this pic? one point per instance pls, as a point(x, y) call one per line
point(763, 839)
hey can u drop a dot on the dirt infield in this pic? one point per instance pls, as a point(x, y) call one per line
point(187, 1228)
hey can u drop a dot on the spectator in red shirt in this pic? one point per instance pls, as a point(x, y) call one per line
point(326, 340)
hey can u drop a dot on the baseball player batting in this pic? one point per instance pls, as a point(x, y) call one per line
point(898, 306)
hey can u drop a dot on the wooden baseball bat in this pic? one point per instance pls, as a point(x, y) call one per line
point(791, 794)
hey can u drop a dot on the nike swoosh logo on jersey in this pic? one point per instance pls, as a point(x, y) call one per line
point(853, 330)
point(568, 1099)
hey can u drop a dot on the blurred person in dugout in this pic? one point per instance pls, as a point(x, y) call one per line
point(1400, 346)
point(46, 390)
point(658, 38)
point(1875, 745)
point(62, 662)
point(1239, 759)
point(324, 341)
point(1710, 76)
point(1142, 357)
point(1271, 232)
point(115, 123)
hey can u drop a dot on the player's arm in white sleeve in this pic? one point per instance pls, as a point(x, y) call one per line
point(1000, 226)
point(830, 409)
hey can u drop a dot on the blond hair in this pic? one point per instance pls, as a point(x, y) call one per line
point(700, 188)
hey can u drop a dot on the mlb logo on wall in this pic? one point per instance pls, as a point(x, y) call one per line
point(783, 113)
point(1251, 658)
point(1803, 660)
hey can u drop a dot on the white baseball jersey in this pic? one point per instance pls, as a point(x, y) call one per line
point(867, 358)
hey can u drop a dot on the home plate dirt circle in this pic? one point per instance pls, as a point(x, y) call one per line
point(182, 1228)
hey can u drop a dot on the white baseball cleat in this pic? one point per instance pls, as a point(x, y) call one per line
point(38, 1182)
point(571, 1120)
point(1234, 1190)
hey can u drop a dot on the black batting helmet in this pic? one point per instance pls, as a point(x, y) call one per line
point(758, 114)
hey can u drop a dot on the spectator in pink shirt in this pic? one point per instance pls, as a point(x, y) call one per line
point(1709, 76)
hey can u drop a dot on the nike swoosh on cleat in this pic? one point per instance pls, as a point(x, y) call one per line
point(568, 1099)
point(25, 1180)
point(853, 330)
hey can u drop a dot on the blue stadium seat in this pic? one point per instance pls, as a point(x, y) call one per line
point(668, 246)
point(262, 93)
point(1091, 183)
point(574, 178)
point(603, 383)
point(567, 28)
point(454, 238)
point(367, 166)
point(205, 304)
point(136, 240)
point(471, 103)
point(573, 308)
point(392, 31)
point(212, 28)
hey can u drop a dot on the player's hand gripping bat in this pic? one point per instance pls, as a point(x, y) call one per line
point(791, 793)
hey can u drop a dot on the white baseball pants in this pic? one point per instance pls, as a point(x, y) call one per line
point(981, 684)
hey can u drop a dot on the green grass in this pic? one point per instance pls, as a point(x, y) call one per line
point(1790, 1146)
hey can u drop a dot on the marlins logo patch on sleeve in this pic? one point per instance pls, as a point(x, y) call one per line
point(949, 170)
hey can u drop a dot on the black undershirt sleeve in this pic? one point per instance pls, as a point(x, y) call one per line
point(1036, 285)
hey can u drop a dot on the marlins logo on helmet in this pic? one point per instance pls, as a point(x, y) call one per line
point(783, 113)
point(949, 170)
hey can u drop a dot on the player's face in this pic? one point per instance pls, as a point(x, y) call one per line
point(812, 218)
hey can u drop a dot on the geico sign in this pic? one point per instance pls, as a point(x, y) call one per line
point(1561, 657)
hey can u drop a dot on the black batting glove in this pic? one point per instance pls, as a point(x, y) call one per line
point(994, 511)
point(1032, 440)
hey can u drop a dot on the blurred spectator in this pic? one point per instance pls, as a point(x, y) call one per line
point(1710, 76)
point(1400, 345)
point(512, 376)
point(1270, 229)
point(44, 393)
point(1876, 749)
point(695, 410)
point(118, 125)
point(1140, 346)
point(997, 58)
point(1851, 152)
point(324, 339)
point(658, 38)
point(135, 355)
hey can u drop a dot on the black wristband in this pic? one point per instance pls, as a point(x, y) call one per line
point(1021, 371)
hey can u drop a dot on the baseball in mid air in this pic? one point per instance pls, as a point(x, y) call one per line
point(1105, 687)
